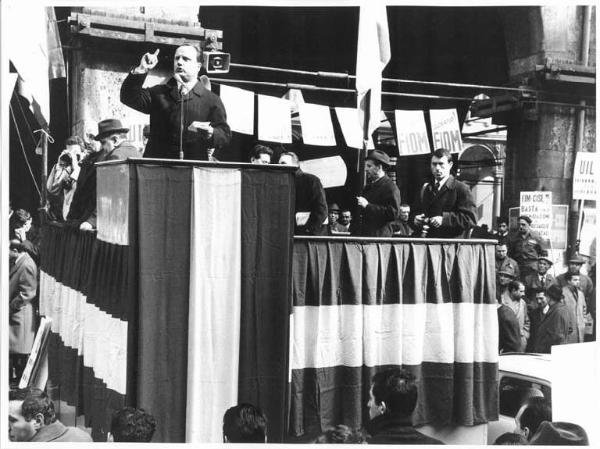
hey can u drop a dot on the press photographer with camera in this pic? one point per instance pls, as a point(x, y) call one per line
point(445, 207)
point(62, 180)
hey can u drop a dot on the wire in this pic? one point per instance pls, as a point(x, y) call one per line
point(23, 150)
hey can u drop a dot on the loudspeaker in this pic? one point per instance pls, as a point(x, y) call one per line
point(216, 62)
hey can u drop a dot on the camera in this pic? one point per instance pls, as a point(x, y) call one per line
point(66, 159)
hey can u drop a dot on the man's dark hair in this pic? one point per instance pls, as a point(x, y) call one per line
point(569, 275)
point(405, 205)
point(513, 286)
point(245, 423)
point(537, 410)
point(397, 388)
point(443, 152)
point(19, 218)
point(511, 439)
point(261, 149)
point(501, 220)
point(34, 401)
point(132, 425)
point(17, 244)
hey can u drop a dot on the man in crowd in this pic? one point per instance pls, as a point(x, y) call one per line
point(261, 154)
point(311, 206)
point(503, 278)
point(21, 228)
point(531, 415)
point(31, 417)
point(513, 298)
point(502, 232)
point(550, 323)
point(585, 283)
point(505, 263)
point(509, 333)
point(380, 201)
point(22, 291)
point(540, 279)
point(333, 214)
point(575, 302)
point(343, 223)
point(131, 425)
point(402, 226)
point(392, 400)
point(113, 146)
point(445, 207)
point(525, 246)
point(201, 108)
point(244, 423)
point(62, 179)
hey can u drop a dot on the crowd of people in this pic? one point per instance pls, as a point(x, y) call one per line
point(537, 310)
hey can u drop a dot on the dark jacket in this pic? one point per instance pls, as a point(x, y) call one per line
point(390, 428)
point(163, 103)
point(58, 432)
point(509, 334)
point(454, 203)
point(83, 206)
point(310, 197)
point(22, 291)
point(550, 329)
point(378, 217)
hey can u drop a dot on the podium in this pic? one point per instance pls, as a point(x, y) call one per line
point(180, 303)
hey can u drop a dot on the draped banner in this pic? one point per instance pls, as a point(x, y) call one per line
point(362, 307)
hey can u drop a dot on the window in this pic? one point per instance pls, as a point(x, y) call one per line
point(515, 391)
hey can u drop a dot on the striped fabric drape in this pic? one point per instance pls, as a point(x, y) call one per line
point(361, 307)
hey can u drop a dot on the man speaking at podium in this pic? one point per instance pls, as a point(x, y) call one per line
point(186, 119)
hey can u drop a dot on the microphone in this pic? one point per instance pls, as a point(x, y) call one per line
point(183, 90)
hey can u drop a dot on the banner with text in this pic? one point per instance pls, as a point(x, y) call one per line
point(560, 220)
point(584, 182)
point(537, 205)
point(513, 218)
point(589, 231)
point(411, 133)
point(445, 130)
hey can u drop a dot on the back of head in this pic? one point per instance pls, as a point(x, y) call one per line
point(535, 412)
point(132, 425)
point(560, 434)
point(397, 388)
point(35, 401)
point(341, 434)
point(244, 423)
point(511, 439)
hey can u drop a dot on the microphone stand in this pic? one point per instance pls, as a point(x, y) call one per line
point(181, 90)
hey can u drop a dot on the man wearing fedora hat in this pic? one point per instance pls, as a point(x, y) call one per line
point(380, 201)
point(445, 207)
point(550, 321)
point(540, 279)
point(113, 146)
point(585, 283)
point(180, 103)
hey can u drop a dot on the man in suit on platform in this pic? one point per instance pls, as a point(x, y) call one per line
point(113, 146)
point(445, 207)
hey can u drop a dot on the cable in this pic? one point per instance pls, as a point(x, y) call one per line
point(23, 150)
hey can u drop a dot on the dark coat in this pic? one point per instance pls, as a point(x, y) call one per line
point(58, 432)
point(509, 333)
point(550, 329)
point(163, 103)
point(22, 291)
point(83, 206)
point(532, 282)
point(310, 197)
point(384, 200)
point(454, 203)
point(395, 429)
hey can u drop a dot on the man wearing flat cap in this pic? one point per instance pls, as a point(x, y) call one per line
point(540, 279)
point(113, 146)
point(550, 321)
point(525, 246)
point(585, 283)
point(445, 207)
point(380, 201)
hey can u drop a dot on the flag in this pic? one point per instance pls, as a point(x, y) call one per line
point(372, 55)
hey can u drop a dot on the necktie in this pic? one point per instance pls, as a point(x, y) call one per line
point(436, 187)
point(543, 279)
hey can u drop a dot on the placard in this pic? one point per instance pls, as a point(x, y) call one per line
point(537, 205)
point(331, 171)
point(584, 182)
point(239, 105)
point(316, 125)
point(274, 119)
point(411, 133)
point(351, 128)
point(560, 222)
point(445, 130)
point(589, 231)
point(513, 218)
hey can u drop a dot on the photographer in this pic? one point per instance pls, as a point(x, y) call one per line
point(62, 180)
point(445, 207)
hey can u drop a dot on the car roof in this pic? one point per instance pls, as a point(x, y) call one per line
point(526, 364)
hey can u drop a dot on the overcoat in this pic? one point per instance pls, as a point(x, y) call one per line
point(22, 291)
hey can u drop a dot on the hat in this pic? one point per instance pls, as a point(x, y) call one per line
point(333, 207)
point(379, 156)
point(559, 434)
point(544, 256)
point(108, 127)
point(576, 258)
point(554, 292)
point(525, 218)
